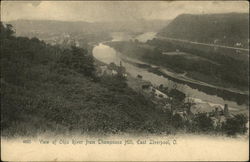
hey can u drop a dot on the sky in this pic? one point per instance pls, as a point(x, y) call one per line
point(113, 10)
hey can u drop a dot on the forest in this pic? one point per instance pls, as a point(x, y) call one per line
point(225, 29)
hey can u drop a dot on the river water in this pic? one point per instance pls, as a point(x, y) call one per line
point(107, 55)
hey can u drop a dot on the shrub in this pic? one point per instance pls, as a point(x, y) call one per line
point(236, 124)
point(202, 122)
point(177, 121)
point(78, 60)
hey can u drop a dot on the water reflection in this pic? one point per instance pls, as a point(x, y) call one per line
point(106, 54)
point(146, 36)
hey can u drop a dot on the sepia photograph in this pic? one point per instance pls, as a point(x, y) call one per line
point(124, 80)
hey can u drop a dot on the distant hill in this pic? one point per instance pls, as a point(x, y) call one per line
point(24, 27)
point(228, 29)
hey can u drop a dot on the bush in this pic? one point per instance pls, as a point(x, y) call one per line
point(235, 125)
point(79, 60)
point(203, 123)
point(177, 121)
point(6, 31)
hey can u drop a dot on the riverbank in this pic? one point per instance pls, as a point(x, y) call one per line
point(227, 94)
point(232, 94)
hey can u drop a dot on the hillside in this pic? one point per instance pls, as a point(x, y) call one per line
point(47, 89)
point(226, 29)
point(24, 27)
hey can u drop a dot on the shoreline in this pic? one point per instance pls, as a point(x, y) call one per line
point(241, 97)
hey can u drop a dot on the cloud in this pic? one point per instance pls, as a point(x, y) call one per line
point(113, 10)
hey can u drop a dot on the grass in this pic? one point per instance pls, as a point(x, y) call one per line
point(50, 96)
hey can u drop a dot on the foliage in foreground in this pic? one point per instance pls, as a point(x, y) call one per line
point(48, 89)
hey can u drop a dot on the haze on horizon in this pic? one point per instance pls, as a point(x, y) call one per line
point(94, 11)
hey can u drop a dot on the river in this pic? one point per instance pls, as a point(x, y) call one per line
point(107, 55)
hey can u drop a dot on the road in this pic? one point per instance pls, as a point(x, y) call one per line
point(211, 45)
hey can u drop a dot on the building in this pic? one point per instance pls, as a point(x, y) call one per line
point(139, 76)
point(112, 69)
point(159, 94)
point(226, 111)
point(238, 44)
point(101, 70)
point(216, 113)
point(121, 70)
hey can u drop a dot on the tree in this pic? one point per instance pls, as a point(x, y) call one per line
point(202, 122)
point(177, 121)
point(177, 95)
point(6, 31)
point(112, 66)
point(235, 125)
point(79, 60)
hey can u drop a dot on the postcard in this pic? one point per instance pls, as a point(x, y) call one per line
point(124, 80)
